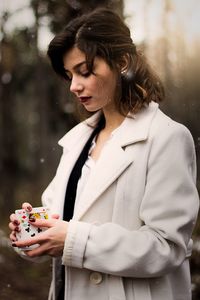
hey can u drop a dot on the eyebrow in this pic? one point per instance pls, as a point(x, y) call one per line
point(76, 66)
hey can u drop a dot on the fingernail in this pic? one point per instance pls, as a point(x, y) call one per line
point(14, 245)
point(16, 222)
point(29, 208)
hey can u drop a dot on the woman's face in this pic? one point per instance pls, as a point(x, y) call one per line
point(94, 91)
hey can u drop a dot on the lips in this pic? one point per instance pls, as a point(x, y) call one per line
point(84, 99)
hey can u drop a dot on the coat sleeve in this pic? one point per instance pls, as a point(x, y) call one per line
point(168, 212)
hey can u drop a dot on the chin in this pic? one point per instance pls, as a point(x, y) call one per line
point(91, 109)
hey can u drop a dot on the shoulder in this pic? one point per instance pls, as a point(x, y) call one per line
point(164, 127)
point(169, 136)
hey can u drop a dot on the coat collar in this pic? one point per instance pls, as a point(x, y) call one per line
point(134, 128)
point(80, 132)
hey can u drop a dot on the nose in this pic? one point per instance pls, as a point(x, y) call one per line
point(76, 86)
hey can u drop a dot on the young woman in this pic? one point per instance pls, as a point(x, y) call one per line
point(125, 186)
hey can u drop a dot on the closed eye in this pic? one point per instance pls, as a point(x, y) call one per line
point(85, 74)
point(79, 69)
point(69, 76)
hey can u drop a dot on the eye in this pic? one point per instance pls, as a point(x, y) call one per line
point(85, 74)
point(83, 71)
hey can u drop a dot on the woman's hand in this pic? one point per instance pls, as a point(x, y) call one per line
point(14, 224)
point(51, 242)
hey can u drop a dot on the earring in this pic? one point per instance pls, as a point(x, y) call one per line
point(123, 72)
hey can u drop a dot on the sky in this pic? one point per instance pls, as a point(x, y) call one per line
point(144, 18)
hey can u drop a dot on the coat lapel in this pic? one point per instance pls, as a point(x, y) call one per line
point(73, 143)
point(111, 164)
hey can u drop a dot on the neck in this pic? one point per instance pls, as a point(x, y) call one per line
point(113, 119)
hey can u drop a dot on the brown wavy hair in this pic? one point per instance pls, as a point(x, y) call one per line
point(103, 33)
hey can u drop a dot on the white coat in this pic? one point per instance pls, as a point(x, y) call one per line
point(130, 237)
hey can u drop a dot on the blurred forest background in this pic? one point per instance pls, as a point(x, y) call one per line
point(36, 110)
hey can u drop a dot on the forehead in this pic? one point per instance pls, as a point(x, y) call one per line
point(73, 57)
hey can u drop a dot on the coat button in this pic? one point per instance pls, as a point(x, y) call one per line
point(96, 277)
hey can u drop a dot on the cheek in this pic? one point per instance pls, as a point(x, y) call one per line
point(99, 85)
point(110, 88)
point(106, 86)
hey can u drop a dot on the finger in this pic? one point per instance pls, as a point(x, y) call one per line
point(29, 242)
point(27, 206)
point(13, 237)
point(14, 219)
point(13, 227)
point(55, 216)
point(39, 251)
point(42, 223)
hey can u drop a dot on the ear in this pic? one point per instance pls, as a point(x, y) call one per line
point(124, 64)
